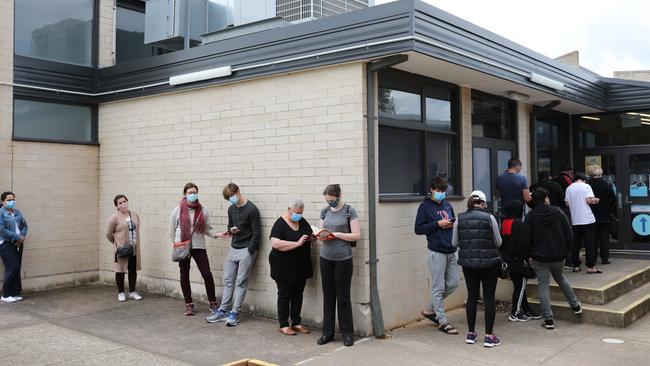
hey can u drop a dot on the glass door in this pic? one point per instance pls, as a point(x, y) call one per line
point(489, 159)
point(636, 198)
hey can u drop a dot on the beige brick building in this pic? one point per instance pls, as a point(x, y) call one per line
point(291, 118)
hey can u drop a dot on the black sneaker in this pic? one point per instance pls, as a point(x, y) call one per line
point(533, 315)
point(518, 318)
point(431, 317)
point(548, 324)
point(577, 310)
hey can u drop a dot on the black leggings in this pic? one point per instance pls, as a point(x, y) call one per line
point(473, 280)
point(336, 281)
point(133, 275)
point(290, 302)
point(519, 297)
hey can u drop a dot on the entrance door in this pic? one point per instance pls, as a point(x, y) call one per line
point(489, 159)
point(628, 169)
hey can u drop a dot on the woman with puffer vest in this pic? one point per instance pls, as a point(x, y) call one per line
point(476, 234)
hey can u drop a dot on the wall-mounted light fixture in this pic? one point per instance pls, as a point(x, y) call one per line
point(543, 80)
point(591, 118)
point(192, 77)
point(515, 95)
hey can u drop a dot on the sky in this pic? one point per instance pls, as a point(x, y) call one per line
point(611, 35)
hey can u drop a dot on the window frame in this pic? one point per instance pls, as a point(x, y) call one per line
point(94, 118)
point(512, 115)
point(413, 83)
point(94, 57)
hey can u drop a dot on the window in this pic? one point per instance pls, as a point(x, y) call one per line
point(613, 129)
point(551, 143)
point(46, 121)
point(492, 117)
point(59, 30)
point(417, 138)
point(129, 33)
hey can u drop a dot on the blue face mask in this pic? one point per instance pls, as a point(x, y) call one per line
point(334, 203)
point(192, 197)
point(233, 200)
point(10, 204)
point(439, 196)
point(295, 217)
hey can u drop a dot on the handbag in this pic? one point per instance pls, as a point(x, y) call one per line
point(183, 249)
point(527, 271)
point(125, 251)
point(504, 272)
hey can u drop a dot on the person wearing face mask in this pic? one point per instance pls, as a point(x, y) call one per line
point(190, 220)
point(511, 185)
point(336, 264)
point(435, 219)
point(291, 266)
point(12, 237)
point(244, 226)
point(124, 230)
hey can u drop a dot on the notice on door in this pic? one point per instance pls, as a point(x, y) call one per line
point(593, 160)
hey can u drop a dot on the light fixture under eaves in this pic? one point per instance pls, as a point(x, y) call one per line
point(515, 95)
point(192, 77)
point(589, 117)
point(543, 80)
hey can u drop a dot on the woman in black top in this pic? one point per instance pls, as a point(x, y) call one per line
point(603, 210)
point(291, 266)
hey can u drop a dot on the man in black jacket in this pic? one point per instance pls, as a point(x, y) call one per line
point(546, 241)
point(555, 192)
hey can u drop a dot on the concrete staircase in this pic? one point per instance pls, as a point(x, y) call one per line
point(615, 298)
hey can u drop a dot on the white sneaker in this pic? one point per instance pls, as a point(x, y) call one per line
point(8, 299)
point(135, 296)
point(18, 298)
point(121, 297)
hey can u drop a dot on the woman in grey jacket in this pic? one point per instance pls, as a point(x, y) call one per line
point(476, 234)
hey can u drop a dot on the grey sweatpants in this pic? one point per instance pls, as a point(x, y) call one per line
point(237, 271)
point(544, 271)
point(445, 273)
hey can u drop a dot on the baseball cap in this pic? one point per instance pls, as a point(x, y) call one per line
point(480, 195)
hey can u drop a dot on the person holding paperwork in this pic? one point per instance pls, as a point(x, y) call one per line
point(291, 266)
point(336, 264)
point(435, 219)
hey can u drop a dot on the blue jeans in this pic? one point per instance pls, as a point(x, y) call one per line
point(12, 260)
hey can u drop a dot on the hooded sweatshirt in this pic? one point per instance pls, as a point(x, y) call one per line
point(547, 234)
point(426, 223)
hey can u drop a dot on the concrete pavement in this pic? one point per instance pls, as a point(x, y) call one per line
point(87, 326)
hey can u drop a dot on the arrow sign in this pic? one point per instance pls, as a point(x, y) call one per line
point(641, 224)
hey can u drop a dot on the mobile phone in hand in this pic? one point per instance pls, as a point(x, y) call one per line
point(452, 219)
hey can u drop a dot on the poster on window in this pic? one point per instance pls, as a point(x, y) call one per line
point(593, 160)
point(638, 185)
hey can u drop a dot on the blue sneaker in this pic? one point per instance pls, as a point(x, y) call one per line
point(471, 338)
point(218, 315)
point(232, 320)
point(491, 341)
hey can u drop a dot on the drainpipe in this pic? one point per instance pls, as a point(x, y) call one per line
point(371, 73)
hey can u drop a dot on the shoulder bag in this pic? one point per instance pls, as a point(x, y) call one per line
point(182, 250)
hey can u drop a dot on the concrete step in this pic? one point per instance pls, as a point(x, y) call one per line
point(619, 278)
point(618, 313)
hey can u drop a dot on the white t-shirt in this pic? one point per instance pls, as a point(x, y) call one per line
point(576, 197)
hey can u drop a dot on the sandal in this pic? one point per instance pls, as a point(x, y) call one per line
point(596, 271)
point(300, 329)
point(287, 331)
point(577, 269)
point(446, 328)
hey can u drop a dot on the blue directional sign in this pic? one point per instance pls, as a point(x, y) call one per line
point(641, 224)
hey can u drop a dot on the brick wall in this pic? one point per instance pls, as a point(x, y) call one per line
point(106, 32)
point(278, 138)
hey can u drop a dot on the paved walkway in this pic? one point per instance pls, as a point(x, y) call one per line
point(87, 326)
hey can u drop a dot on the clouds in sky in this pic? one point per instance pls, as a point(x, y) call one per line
point(610, 35)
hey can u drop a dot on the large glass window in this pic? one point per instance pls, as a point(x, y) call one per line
point(613, 129)
point(45, 121)
point(59, 30)
point(492, 117)
point(551, 143)
point(129, 33)
point(417, 138)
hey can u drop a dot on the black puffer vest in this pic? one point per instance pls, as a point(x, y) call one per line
point(476, 241)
